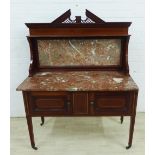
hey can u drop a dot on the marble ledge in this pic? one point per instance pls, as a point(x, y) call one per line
point(78, 81)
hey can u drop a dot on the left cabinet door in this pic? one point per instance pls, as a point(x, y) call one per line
point(49, 103)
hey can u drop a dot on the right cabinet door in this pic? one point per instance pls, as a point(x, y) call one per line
point(110, 103)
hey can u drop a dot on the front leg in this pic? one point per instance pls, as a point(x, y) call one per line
point(30, 128)
point(132, 123)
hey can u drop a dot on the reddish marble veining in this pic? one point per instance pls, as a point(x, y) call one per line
point(85, 52)
point(79, 81)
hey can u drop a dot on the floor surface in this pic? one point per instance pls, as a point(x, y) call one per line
point(78, 136)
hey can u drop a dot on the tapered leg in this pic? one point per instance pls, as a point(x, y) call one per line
point(30, 128)
point(42, 120)
point(122, 118)
point(132, 123)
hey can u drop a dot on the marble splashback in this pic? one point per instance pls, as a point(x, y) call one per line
point(79, 52)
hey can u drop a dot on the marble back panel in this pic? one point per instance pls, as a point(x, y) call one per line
point(79, 52)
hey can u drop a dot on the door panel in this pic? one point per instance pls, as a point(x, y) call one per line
point(50, 103)
point(110, 103)
point(80, 103)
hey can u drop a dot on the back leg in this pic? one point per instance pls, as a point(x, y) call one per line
point(42, 120)
point(122, 118)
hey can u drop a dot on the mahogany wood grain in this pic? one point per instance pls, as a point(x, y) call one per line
point(80, 103)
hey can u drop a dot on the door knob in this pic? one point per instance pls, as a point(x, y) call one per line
point(92, 102)
point(68, 103)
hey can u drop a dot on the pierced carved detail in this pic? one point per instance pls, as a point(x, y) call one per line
point(90, 19)
point(68, 20)
point(87, 20)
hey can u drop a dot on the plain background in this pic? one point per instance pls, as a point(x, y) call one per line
point(47, 10)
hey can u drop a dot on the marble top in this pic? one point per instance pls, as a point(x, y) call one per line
point(78, 81)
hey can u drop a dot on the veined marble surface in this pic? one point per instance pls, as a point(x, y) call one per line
point(77, 52)
point(79, 81)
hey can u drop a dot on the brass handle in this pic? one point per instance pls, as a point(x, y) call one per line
point(92, 102)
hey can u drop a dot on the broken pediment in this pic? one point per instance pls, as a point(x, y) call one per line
point(91, 20)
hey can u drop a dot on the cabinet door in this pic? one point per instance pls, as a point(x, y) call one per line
point(110, 103)
point(47, 103)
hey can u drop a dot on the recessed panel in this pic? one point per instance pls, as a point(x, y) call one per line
point(80, 103)
point(117, 102)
